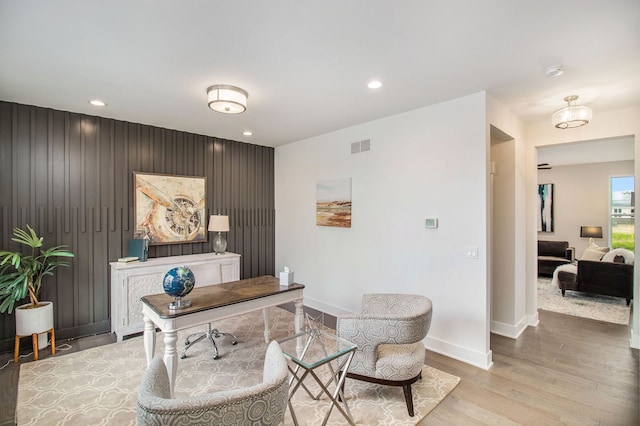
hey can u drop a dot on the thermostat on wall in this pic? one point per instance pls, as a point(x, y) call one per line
point(431, 223)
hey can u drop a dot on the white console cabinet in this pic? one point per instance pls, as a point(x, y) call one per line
point(131, 281)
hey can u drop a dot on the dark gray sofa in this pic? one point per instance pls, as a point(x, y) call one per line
point(596, 277)
point(552, 254)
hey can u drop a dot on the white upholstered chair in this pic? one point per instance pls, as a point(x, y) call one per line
point(389, 332)
point(261, 404)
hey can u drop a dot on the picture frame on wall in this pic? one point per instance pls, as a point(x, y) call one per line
point(333, 202)
point(545, 207)
point(170, 209)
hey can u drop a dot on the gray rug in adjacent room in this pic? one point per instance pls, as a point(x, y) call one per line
point(99, 386)
point(602, 308)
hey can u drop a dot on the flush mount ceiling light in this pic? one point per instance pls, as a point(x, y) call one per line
point(375, 84)
point(97, 102)
point(572, 115)
point(227, 99)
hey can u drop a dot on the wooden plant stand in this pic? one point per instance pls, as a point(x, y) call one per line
point(34, 338)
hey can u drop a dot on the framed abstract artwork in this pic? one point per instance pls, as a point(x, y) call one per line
point(333, 203)
point(170, 209)
point(545, 207)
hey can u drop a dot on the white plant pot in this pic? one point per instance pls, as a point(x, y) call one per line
point(35, 320)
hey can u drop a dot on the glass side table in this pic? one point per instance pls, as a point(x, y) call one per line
point(310, 350)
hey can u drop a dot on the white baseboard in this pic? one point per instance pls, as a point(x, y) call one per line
point(325, 307)
point(469, 356)
point(508, 330)
point(634, 341)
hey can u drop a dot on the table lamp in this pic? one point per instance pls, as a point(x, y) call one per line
point(591, 232)
point(219, 223)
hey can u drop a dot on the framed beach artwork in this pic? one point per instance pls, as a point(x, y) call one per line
point(333, 202)
point(170, 209)
point(545, 207)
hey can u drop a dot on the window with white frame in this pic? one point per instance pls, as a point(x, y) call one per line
point(622, 212)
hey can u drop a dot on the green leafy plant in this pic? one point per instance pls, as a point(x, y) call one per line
point(21, 273)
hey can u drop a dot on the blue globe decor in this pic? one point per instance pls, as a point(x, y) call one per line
point(179, 282)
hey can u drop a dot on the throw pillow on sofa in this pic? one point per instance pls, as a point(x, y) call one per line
point(590, 254)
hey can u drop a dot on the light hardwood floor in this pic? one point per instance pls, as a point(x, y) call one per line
point(566, 371)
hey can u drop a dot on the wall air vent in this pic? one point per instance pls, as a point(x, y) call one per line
point(361, 146)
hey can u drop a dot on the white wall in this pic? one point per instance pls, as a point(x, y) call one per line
point(422, 165)
point(426, 163)
point(581, 198)
point(503, 235)
point(609, 124)
point(509, 292)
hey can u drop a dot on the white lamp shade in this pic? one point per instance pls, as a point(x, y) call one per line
point(227, 99)
point(572, 115)
point(218, 223)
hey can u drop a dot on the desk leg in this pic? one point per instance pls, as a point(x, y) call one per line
point(171, 357)
point(265, 317)
point(149, 338)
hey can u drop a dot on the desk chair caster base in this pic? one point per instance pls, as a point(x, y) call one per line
point(209, 334)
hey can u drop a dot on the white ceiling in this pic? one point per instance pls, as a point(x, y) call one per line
point(592, 151)
point(306, 64)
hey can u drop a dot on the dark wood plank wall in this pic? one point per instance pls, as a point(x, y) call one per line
point(70, 176)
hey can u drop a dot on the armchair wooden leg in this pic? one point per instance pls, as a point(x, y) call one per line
point(406, 386)
point(408, 397)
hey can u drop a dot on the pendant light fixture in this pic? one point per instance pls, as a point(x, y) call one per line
point(572, 115)
point(227, 99)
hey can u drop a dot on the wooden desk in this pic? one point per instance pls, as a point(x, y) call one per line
point(211, 303)
point(131, 281)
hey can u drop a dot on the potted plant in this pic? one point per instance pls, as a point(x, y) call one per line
point(21, 275)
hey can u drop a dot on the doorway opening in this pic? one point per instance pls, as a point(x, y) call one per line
point(588, 194)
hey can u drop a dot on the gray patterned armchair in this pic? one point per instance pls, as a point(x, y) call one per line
point(389, 332)
point(261, 404)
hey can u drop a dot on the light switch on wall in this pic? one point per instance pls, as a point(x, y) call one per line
point(472, 252)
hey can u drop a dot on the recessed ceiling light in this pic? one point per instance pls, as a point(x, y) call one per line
point(375, 84)
point(96, 102)
point(554, 71)
point(247, 133)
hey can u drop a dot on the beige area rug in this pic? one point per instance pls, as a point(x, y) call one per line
point(601, 308)
point(99, 386)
